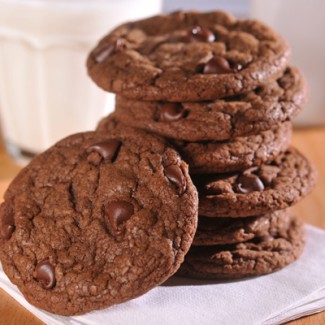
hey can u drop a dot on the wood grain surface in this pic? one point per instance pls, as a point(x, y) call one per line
point(312, 210)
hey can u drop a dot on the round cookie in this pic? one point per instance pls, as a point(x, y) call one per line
point(96, 220)
point(258, 110)
point(258, 190)
point(252, 258)
point(236, 154)
point(187, 56)
point(221, 231)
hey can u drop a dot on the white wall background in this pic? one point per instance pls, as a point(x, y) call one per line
point(237, 7)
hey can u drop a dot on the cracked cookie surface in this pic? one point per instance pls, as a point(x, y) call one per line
point(187, 56)
point(258, 110)
point(220, 231)
point(236, 154)
point(256, 257)
point(96, 220)
point(257, 190)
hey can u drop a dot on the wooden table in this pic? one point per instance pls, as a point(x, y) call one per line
point(312, 210)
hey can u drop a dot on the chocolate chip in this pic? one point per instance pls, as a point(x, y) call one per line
point(44, 273)
point(268, 173)
point(104, 51)
point(262, 239)
point(217, 65)
point(266, 238)
point(176, 176)
point(7, 227)
point(6, 231)
point(199, 34)
point(236, 67)
point(107, 149)
point(249, 183)
point(118, 212)
point(171, 112)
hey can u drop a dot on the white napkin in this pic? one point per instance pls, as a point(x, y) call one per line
point(293, 292)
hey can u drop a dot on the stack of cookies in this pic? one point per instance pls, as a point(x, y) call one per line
point(222, 92)
point(103, 217)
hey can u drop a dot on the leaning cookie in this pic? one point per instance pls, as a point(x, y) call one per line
point(96, 220)
point(187, 56)
point(257, 190)
point(256, 257)
point(236, 154)
point(221, 231)
point(258, 110)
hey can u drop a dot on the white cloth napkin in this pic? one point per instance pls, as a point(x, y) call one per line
point(293, 292)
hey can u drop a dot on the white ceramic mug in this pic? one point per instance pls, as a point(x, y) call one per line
point(45, 93)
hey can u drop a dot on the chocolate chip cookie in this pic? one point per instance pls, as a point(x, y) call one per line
point(257, 190)
point(256, 257)
point(96, 220)
point(220, 231)
point(187, 56)
point(236, 154)
point(258, 110)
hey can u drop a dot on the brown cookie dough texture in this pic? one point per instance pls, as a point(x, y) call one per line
point(258, 110)
point(220, 231)
point(187, 57)
point(96, 220)
point(236, 154)
point(257, 190)
point(256, 257)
